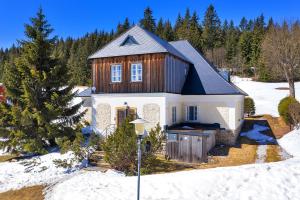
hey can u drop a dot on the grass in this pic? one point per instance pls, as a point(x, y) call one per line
point(6, 158)
point(273, 153)
point(28, 193)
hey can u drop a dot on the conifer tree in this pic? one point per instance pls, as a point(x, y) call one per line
point(212, 32)
point(148, 22)
point(195, 32)
point(37, 85)
point(160, 28)
point(231, 43)
point(168, 33)
point(178, 25)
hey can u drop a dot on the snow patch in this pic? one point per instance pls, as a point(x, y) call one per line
point(34, 171)
point(291, 143)
point(255, 134)
point(265, 95)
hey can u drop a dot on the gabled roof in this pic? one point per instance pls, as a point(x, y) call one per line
point(144, 42)
point(203, 78)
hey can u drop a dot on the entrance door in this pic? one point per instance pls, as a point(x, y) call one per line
point(122, 113)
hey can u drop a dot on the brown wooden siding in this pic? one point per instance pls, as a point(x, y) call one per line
point(161, 73)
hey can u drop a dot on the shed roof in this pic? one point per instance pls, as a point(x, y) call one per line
point(136, 41)
point(203, 78)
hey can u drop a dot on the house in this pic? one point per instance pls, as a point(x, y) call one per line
point(2, 93)
point(169, 83)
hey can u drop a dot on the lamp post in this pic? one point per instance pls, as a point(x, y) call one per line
point(139, 127)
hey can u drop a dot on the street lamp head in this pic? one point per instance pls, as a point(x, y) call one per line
point(139, 126)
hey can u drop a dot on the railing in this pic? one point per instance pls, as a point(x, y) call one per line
point(108, 130)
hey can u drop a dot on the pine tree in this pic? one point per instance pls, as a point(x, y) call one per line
point(148, 22)
point(160, 28)
point(243, 24)
point(178, 25)
point(212, 32)
point(183, 31)
point(231, 43)
point(121, 28)
point(168, 33)
point(195, 32)
point(37, 85)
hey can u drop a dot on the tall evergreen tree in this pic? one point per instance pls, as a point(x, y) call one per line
point(178, 25)
point(148, 22)
point(168, 33)
point(195, 32)
point(231, 44)
point(37, 85)
point(160, 28)
point(212, 31)
point(243, 24)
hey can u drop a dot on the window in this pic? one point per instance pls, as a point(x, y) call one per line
point(116, 73)
point(136, 72)
point(174, 114)
point(191, 114)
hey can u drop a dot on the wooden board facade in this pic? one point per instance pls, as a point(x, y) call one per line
point(162, 72)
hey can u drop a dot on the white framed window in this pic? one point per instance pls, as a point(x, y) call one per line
point(174, 114)
point(136, 72)
point(116, 73)
point(192, 113)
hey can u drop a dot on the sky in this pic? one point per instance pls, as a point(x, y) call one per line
point(76, 18)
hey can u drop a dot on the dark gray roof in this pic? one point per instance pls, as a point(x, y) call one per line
point(203, 78)
point(147, 42)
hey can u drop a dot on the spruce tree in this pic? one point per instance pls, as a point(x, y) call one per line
point(148, 22)
point(178, 25)
point(160, 28)
point(168, 33)
point(212, 32)
point(195, 32)
point(231, 43)
point(37, 85)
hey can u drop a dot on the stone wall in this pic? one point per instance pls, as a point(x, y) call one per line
point(103, 116)
point(151, 113)
point(228, 137)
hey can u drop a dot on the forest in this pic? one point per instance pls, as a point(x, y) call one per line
point(234, 47)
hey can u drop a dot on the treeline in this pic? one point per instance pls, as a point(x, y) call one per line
point(227, 45)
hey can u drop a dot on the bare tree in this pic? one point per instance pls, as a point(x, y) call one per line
point(281, 49)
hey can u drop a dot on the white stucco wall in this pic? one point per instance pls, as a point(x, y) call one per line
point(223, 109)
point(227, 110)
point(142, 103)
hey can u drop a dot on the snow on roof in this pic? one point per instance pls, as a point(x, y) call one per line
point(204, 78)
point(85, 93)
point(145, 42)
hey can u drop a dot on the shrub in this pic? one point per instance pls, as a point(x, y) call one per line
point(249, 106)
point(120, 148)
point(283, 109)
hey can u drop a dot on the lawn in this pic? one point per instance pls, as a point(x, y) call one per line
point(28, 193)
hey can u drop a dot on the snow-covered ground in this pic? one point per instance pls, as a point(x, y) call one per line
point(34, 171)
point(264, 181)
point(276, 181)
point(265, 95)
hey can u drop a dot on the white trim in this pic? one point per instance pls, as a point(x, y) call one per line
point(136, 72)
point(116, 73)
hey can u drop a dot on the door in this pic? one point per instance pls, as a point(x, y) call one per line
point(122, 113)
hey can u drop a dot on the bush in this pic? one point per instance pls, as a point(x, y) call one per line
point(249, 106)
point(283, 109)
point(120, 148)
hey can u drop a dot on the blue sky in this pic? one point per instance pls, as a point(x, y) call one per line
point(75, 18)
